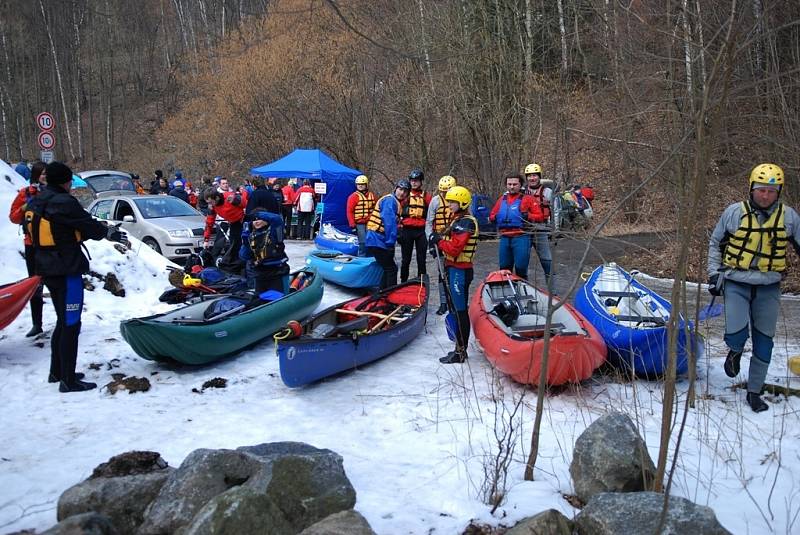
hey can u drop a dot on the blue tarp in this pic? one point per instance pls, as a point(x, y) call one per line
point(316, 166)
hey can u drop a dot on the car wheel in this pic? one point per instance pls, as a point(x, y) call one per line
point(153, 244)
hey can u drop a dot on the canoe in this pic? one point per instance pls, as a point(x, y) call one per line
point(353, 333)
point(632, 319)
point(345, 270)
point(330, 237)
point(190, 335)
point(14, 296)
point(508, 316)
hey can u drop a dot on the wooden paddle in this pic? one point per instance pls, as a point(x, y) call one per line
point(366, 313)
point(386, 319)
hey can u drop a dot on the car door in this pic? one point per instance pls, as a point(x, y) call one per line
point(103, 210)
point(125, 208)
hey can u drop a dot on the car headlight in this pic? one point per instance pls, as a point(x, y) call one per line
point(185, 233)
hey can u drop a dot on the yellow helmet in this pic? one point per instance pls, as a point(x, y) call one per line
point(459, 194)
point(532, 168)
point(362, 179)
point(446, 182)
point(766, 173)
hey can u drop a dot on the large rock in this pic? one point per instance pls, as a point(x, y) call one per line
point(130, 463)
point(343, 523)
point(610, 456)
point(550, 522)
point(280, 487)
point(83, 524)
point(638, 513)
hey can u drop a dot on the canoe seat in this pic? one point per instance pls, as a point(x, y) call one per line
point(611, 293)
point(642, 319)
point(536, 330)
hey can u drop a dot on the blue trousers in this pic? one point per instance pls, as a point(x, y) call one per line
point(515, 254)
point(458, 281)
point(361, 232)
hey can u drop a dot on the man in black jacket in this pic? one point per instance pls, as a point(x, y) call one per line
point(58, 225)
point(262, 198)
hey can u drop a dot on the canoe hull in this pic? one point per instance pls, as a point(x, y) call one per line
point(198, 344)
point(14, 297)
point(357, 272)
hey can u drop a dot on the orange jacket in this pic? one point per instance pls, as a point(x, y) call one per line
point(19, 205)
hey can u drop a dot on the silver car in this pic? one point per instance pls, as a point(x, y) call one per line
point(90, 185)
point(166, 224)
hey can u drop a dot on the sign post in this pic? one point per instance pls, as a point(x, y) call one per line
point(46, 139)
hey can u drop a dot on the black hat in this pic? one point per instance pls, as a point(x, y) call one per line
point(58, 173)
point(159, 173)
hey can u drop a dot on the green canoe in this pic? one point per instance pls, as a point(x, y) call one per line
point(187, 335)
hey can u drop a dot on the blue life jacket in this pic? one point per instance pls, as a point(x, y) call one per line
point(509, 215)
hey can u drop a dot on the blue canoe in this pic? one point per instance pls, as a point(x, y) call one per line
point(353, 333)
point(330, 237)
point(346, 270)
point(632, 319)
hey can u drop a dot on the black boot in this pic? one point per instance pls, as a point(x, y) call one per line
point(442, 310)
point(454, 357)
point(76, 386)
point(53, 378)
point(756, 403)
point(732, 363)
point(36, 329)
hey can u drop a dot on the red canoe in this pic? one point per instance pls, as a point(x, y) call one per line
point(508, 319)
point(13, 298)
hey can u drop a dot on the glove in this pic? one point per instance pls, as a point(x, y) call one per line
point(117, 235)
point(434, 239)
point(714, 288)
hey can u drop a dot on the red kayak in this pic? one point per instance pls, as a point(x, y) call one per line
point(508, 318)
point(14, 297)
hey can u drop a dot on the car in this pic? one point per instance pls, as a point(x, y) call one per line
point(166, 224)
point(90, 185)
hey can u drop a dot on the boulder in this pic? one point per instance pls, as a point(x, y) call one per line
point(130, 463)
point(550, 522)
point(239, 510)
point(122, 499)
point(83, 524)
point(638, 513)
point(343, 523)
point(610, 456)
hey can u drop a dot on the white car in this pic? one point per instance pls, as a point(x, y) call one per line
point(166, 224)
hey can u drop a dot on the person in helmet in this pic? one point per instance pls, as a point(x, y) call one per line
point(382, 231)
point(458, 244)
point(512, 213)
point(359, 207)
point(412, 229)
point(543, 196)
point(746, 262)
point(438, 220)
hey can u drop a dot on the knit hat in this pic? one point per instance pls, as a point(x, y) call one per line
point(159, 173)
point(58, 173)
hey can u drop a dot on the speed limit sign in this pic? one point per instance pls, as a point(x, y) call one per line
point(45, 121)
point(46, 140)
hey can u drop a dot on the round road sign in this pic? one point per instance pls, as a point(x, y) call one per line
point(47, 140)
point(45, 121)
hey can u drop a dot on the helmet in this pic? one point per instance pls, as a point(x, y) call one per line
point(766, 173)
point(459, 194)
point(416, 174)
point(362, 179)
point(532, 168)
point(446, 182)
point(403, 184)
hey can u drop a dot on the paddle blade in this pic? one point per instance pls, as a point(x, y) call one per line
point(711, 311)
point(451, 325)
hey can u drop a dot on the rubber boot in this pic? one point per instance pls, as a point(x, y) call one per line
point(68, 351)
point(454, 357)
point(51, 378)
point(756, 403)
point(442, 310)
point(36, 313)
point(35, 330)
point(732, 363)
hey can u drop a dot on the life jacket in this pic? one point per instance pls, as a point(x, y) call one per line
point(364, 207)
point(415, 208)
point(509, 215)
point(266, 251)
point(375, 222)
point(766, 243)
point(538, 195)
point(442, 216)
point(460, 225)
point(40, 230)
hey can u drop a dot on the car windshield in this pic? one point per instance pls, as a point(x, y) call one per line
point(110, 183)
point(156, 206)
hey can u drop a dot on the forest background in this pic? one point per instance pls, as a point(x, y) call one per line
point(662, 106)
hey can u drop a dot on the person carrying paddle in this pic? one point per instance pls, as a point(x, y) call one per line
point(512, 211)
point(412, 229)
point(382, 231)
point(263, 250)
point(359, 207)
point(458, 244)
point(544, 197)
point(438, 220)
point(746, 262)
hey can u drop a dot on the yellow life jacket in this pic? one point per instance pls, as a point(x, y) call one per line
point(415, 207)
point(466, 254)
point(442, 216)
point(766, 243)
point(40, 231)
point(364, 206)
point(375, 222)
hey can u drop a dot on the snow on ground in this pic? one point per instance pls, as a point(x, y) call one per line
point(417, 437)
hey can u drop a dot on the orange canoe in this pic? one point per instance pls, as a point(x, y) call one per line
point(13, 298)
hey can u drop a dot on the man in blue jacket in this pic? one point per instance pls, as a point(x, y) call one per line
point(382, 231)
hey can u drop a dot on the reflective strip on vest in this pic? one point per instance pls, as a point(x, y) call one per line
point(764, 244)
point(442, 216)
point(415, 206)
point(375, 222)
point(364, 207)
point(466, 254)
